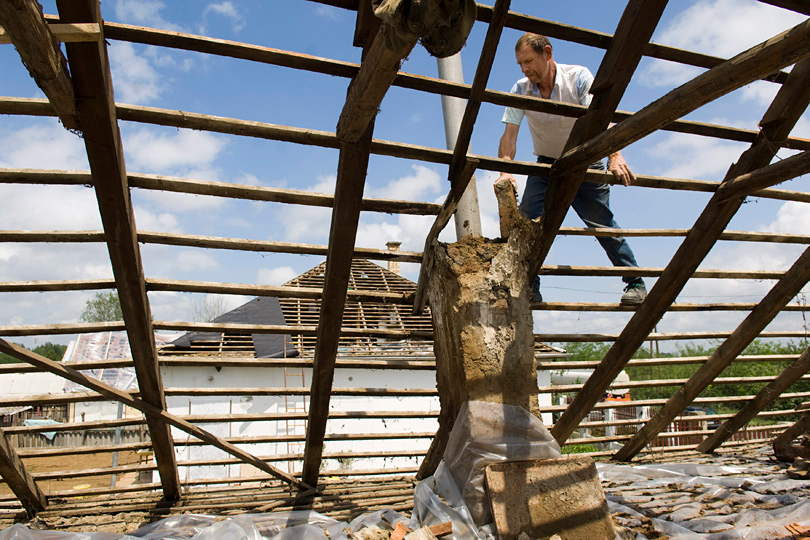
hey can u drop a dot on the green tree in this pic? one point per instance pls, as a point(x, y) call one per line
point(54, 351)
point(103, 307)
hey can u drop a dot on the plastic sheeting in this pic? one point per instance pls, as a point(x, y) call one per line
point(486, 433)
point(708, 501)
point(724, 498)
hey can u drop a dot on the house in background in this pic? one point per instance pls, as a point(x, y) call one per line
point(384, 387)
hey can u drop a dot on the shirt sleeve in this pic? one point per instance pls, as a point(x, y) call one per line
point(512, 115)
point(584, 82)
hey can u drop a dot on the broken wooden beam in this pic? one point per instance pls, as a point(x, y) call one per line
point(781, 171)
point(368, 88)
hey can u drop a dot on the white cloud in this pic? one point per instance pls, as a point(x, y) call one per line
point(792, 217)
point(328, 12)
point(42, 146)
point(308, 224)
point(147, 220)
point(708, 159)
point(33, 261)
point(760, 92)
point(144, 13)
point(227, 10)
point(275, 276)
point(134, 78)
point(745, 23)
point(174, 152)
point(25, 207)
point(172, 262)
point(48, 208)
point(423, 184)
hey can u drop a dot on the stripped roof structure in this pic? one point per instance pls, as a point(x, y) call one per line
point(79, 90)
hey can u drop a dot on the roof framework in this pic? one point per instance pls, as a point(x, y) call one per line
point(329, 307)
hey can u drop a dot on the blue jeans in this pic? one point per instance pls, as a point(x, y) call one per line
point(592, 204)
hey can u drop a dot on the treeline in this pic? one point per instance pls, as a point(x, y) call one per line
point(54, 351)
point(737, 369)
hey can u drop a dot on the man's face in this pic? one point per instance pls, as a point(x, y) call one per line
point(533, 65)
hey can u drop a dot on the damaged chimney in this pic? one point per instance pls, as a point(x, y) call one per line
point(393, 266)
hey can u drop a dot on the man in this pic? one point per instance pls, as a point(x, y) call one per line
point(570, 84)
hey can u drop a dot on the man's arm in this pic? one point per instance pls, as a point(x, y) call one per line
point(507, 149)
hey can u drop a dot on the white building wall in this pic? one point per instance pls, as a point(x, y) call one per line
point(247, 377)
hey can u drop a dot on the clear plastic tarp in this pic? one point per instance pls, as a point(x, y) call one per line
point(716, 498)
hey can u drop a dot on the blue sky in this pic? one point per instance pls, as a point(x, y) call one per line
point(210, 85)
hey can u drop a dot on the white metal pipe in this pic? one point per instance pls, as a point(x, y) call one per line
point(467, 216)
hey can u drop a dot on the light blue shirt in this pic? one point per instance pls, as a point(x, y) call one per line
point(549, 132)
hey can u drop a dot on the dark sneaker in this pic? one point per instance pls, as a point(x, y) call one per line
point(634, 294)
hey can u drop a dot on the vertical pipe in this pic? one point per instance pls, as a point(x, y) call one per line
point(467, 217)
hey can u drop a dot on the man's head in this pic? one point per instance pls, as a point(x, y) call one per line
point(534, 56)
point(535, 41)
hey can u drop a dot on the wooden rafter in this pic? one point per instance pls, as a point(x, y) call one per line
point(24, 24)
point(799, 6)
point(800, 427)
point(94, 94)
point(746, 184)
point(18, 479)
point(149, 410)
point(780, 51)
point(764, 397)
point(351, 178)
point(778, 121)
point(352, 166)
point(768, 308)
point(635, 29)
